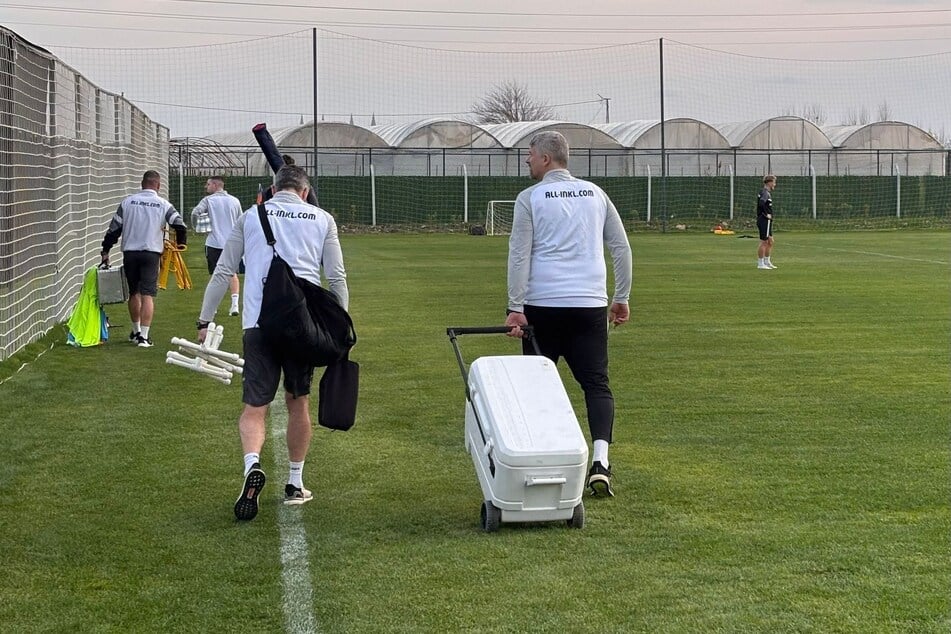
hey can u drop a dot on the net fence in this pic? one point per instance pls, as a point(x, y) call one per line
point(69, 152)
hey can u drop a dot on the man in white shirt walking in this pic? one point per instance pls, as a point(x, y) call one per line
point(306, 238)
point(557, 282)
point(222, 210)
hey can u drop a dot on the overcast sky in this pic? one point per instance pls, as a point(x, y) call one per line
point(813, 29)
point(725, 62)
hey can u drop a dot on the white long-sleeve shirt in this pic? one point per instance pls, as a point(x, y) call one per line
point(556, 250)
point(222, 210)
point(305, 237)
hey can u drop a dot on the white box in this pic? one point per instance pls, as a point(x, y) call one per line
point(528, 449)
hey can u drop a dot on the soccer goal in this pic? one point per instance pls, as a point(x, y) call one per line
point(498, 217)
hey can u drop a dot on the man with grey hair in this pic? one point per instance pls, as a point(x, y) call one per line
point(306, 238)
point(557, 282)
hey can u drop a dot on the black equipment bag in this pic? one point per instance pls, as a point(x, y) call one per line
point(339, 388)
point(300, 318)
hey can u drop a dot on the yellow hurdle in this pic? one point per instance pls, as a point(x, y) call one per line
point(173, 261)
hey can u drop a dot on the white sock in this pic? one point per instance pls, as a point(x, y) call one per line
point(761, 261)
point(601, 452)
point(296, 476)
point(249, 460)
point(144, 332)
point(136, 326)
point(234, 300)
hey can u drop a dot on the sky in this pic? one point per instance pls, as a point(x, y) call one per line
point(811, 29)
point(406, 57)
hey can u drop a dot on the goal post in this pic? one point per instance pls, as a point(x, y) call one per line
point(498, 217)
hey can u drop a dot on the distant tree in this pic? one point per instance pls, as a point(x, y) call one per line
point(814, 112)
point(856, 116)
point(884, 112)
point(510, 101)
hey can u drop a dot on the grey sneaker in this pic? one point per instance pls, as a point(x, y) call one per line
point(246, 506)
point(294, 495)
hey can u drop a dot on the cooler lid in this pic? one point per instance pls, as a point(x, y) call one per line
point(524, 408)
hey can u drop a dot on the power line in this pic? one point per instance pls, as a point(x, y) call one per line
point(508, 29)
point(565, 14)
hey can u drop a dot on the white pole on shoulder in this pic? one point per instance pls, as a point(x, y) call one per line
point(897, 191)
point(812, 172)
point(465, 194)
point(731, 192)
point(648, 193)
point(372, 195)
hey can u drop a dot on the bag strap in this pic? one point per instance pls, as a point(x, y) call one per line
point(266, 225)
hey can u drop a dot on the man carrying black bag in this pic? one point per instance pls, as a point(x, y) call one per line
point(306, 239)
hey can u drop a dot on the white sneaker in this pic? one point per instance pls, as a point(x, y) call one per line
point(762, 266)
point(770, 265)
point(233, 312)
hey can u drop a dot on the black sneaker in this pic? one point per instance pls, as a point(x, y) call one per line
point(246, 506)
point(294, 495)
point(143, 342)
point(599, 480)
point(133, 337)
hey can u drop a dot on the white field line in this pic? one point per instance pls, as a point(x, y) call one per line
point(872, 253)
point(295, 567)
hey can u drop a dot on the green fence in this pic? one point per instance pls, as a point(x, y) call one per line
point(438, 203)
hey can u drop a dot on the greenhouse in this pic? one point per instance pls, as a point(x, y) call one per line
point(787, 145)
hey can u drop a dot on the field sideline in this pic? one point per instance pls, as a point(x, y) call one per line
point(782, 460)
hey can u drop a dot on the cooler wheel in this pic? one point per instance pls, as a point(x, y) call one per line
point(577, 517)
point(491, 517)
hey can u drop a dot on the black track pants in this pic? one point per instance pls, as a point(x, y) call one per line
point(580, 335)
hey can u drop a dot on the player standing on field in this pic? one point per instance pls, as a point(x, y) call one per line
point(764, 222)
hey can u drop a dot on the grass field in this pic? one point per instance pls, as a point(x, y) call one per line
point(782, 460)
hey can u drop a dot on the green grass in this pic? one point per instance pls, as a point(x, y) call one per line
point(782, 459)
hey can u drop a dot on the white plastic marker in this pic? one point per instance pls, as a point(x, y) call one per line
point(207, 358)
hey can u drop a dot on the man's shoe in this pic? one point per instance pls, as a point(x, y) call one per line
point(294, 495)
point(133, 337)
point(142, 342)
point(762, 266)
point(233, 312)
point(770, 265)
point(599, 480)
point(246, 506)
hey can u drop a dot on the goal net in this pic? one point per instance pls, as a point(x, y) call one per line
point(498, 217)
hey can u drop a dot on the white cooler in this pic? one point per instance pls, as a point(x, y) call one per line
point(528, 449)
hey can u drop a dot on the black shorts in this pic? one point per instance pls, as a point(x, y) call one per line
point(262, 372)
point(141, 271)
point(765, 226)
point(211, 256)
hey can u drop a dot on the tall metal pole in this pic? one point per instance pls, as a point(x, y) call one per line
point(663, 140)
point(314, 43)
